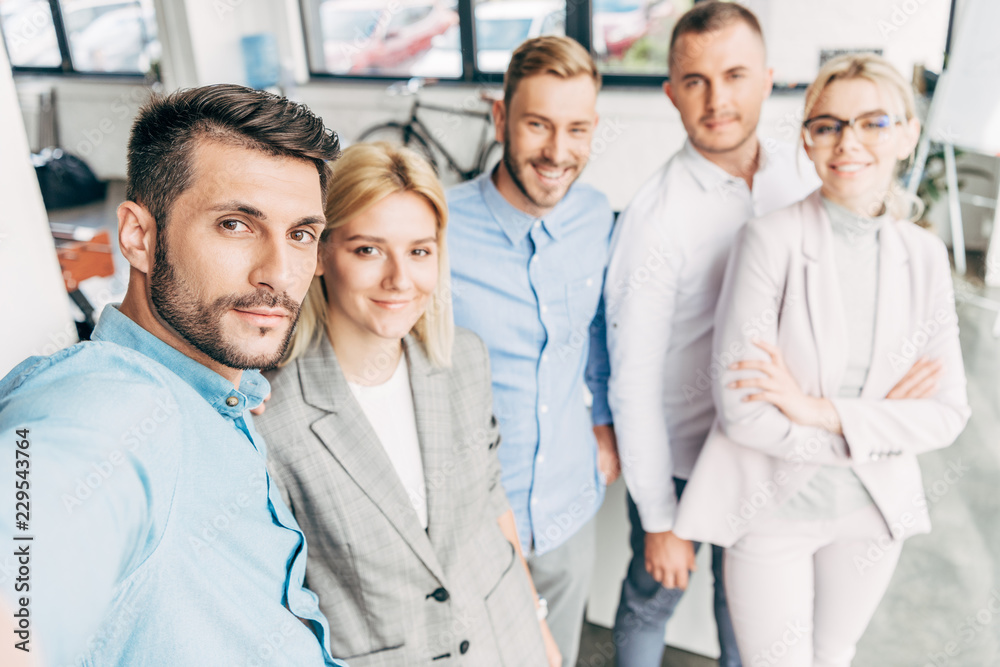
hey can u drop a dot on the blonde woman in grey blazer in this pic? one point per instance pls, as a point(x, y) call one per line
point(382, 440)
point(838, 362)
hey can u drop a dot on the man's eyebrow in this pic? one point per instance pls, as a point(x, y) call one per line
point(242, 207)
point(546, 119)
point(254, 212)
point(313, 220)
point(538, 116)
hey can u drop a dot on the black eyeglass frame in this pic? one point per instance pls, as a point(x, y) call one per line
point(841, 123)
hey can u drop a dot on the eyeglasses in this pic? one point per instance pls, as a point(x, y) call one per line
point(869, 128)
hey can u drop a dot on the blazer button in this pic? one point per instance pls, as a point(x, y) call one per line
point(440, 595)
point(463, 648)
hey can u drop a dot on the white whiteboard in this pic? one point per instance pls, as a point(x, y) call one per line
point(33, 302)
point(966, 107)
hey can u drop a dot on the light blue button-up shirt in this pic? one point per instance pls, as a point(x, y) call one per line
point(531, 289)
point(157, 536)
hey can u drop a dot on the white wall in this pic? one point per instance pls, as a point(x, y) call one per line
point(34, 308)
point(639, 128)
point(909, 32)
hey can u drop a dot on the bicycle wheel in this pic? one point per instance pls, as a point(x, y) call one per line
point(400, 135)
point(491, 156)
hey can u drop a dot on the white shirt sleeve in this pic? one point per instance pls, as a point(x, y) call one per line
point(640, 294)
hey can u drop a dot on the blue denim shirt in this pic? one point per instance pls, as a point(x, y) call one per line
point(158, 536)
point(531, 289)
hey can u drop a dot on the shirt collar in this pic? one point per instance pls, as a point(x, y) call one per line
point(115, 327)
point(514, 222)
point(711, 176)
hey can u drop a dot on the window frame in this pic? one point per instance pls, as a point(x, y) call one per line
point(65, 68)
point(578, 27)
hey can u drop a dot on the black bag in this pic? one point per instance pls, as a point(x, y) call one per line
point(66, 180)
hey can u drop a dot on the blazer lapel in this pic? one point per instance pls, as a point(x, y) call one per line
point(432, 405)
point(349, 437)
point(826, 309)
point(892, 315)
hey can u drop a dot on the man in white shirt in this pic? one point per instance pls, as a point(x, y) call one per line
point(669, 254)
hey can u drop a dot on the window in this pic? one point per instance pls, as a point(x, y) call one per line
point(472, 40)
point(29, 33)
point(387, 38)
point(84, 36)
point(503, 24)
point(633, 36)
point(426, 38)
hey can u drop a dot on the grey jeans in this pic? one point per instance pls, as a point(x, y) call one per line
point(562, 576)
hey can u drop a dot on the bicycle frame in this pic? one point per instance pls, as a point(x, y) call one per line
point(428, 136)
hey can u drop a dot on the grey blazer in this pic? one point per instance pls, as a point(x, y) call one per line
point(394, 594)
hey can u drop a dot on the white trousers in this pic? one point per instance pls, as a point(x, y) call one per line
point(801, 593)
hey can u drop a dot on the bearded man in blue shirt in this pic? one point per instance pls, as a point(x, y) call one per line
point(156, 536)
point(528, 247)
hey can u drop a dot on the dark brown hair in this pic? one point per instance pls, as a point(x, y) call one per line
point(549, 54)
point(168, 127)
point(711, 16)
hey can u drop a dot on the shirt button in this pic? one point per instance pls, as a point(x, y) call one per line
point(463, 648)
point(545, 357)
point(534, 501)
point(440, 595)
point(590, 281)
point(232, 401)
point(545, 309)
point(538, 223)
point(541, 459)
point(543, 409)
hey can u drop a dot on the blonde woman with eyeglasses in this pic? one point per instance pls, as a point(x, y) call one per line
point(839, 362)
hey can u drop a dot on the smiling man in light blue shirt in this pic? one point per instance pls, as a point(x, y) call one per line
point(155, 534)
point(528, 249)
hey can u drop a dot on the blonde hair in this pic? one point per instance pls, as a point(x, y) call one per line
point(872, 67)
point(549, 54)
point(365, 175)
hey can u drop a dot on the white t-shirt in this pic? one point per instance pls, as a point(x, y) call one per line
point(389, 409)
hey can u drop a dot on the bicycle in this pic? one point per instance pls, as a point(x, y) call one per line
point(417, 136)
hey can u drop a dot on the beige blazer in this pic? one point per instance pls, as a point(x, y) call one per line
point(781, 286)
point(394, 594)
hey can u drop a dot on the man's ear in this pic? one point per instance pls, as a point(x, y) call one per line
point(768, 82)
point(500, 120)
point(669, 90)
point(136, 235)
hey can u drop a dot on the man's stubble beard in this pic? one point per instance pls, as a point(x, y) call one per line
point(201, 325)
point(749, 136)
point(515, 174)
